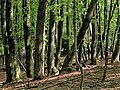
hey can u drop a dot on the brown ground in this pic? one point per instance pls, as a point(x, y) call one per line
point(71, 81)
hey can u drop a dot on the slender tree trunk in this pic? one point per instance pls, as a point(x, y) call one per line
point(75, 48)
point(94, 40)
point(107, 41)
point(105, 19)
point(81, 33)
point(116, 53)
point(3, 29)
point(38, 62)
point(16, 21)
point(99, 34)
point(27, 37)
point(58, 47)
point(51, 42)
point(15, 18)
point(114, 36)
point(67, 28)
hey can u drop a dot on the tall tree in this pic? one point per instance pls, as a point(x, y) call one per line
point(111, 12)
point(67, 27)
point(27, 37)
point(38, 61)
point(99, 46)
point(105, 19)
point(81, 47)
point(3, 29)
point(11, 62)
point(75, 47)
point(51, 41)
point(116, 53)
point(59, 42)
point(81, 33)
point(94, 39)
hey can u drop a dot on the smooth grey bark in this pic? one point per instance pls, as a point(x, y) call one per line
point(51, 42)
point(94, 39)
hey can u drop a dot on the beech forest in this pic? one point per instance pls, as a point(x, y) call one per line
point(59, 44)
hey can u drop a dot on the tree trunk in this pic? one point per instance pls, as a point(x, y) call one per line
point(11, 63)
point(105, 20)
point(67, 28)
point(27, 37)
point(114, 36)
point(80, 47)
point(116, 53)
point(81, 33)
point(38, 65)
point(75, 48)
point(59, 42)
point(51, 42)
point(3, 29)
point(107, 41)
point(94, 40)
point(99, 47)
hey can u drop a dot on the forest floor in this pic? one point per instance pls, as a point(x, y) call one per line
point(71, 81)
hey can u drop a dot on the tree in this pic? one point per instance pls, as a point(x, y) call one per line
point(67, 27)
point(116, 53)
point(59, 40)
point(100, 45)
point(27, 37)
point(94, 39)
point(51, 41)
point(107, 35)
point(75, 47)
point(81, 33)
point(3, 28)
point(105, 19)
point(38, 61)
point(12, 69)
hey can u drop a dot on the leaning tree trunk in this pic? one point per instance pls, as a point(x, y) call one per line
point(38, 61)
point(81, 33)
point(27, 37)
point(51, 42)
point(80, 47)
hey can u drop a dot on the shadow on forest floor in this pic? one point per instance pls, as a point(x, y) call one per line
point(71, 81)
